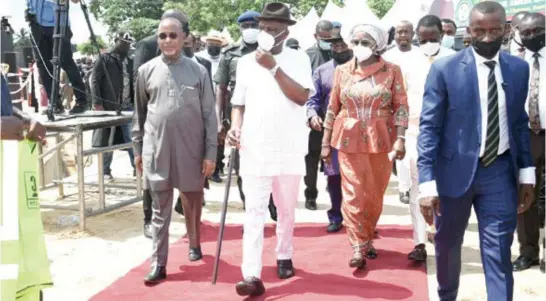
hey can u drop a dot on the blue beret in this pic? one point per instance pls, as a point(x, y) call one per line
point(248, 15)
point(336, 24)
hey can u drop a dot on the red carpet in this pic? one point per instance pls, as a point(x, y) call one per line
point(320, 259)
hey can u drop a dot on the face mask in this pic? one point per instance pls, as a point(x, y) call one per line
point(535, 43)
point(324, 45)
point(430, 48)
point(342, 57)
point(250, 35)
point(214, 50)
point(266, 41)
point(487, 49)
point(448, 41)
point(362, 53)
point(188, 51)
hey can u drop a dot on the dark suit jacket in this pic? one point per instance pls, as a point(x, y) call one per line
point(450, 127)
point(145, 50)
point(208, 65)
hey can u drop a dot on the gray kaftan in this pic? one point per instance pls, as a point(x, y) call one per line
point(174, 125)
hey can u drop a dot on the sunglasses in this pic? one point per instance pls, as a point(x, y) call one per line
point(171, 35)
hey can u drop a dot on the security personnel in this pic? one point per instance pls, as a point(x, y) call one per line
point(225, 81)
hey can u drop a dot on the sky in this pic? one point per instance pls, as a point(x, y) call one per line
point(16, 9)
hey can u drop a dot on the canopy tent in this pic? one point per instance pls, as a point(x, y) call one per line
point(356, 12)
point(227, 36)
point(332, 13)
point(303, 30)
point(409, 10)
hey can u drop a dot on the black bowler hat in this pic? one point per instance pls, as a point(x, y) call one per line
point(335, 37)
point(293, 43)
point(276, 11)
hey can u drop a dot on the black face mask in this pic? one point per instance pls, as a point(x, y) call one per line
point(487, 49)
point(188, 51)
point(342, 57)
point(214, 50)
point(535, 43)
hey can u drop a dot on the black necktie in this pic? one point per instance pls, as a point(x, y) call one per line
point(493, 129)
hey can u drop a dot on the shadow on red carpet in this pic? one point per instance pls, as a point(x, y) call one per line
point(321, 262)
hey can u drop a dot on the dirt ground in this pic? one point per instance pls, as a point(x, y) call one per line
point(84, 263)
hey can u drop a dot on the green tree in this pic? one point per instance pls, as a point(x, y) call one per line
point(380, 7)
point(205, 15)
point(301, 7)
point(88, 48)
point(139, 17)
point(22, 39)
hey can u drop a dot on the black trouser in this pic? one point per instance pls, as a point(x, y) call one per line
point(312, 160)
point(44, 40)
point(147, 205)
point(220, 159)
point(529, 221)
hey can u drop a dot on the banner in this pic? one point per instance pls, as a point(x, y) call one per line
point(24, 265)
point(459, 10)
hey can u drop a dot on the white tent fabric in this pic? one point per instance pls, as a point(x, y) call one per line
point(356, 12)
point(332, 13)
point(304, 29)
point(409, 10)
point(226, 35)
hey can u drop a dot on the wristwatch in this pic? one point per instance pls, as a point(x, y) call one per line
point(274, 70)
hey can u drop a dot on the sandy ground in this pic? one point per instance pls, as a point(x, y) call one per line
point(84, 263)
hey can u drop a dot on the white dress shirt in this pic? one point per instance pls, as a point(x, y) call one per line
point(542, 85)
point(526, 175)
point(274, 133)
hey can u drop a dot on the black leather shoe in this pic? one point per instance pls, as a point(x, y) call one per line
point(272, 211)
point(524, 263)
point(251, 286)
point(148, 230)
point(371, 254)
point(78, 109)
point(334, 227)
point(285, 269)
point(157, 275)
point(178, 207)
point(311, 204)
point(418, 254)
point(56, 111)
point(195, 254)
point(404, 197)
point(542, 266)
point(215, 178)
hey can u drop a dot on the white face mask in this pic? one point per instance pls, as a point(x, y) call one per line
point(430, 48)
point(266, 41)
point(362, 53)
point(250, 35)
point(448, 41)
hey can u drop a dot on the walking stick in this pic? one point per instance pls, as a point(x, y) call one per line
point(223, 218)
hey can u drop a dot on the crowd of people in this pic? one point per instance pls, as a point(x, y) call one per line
point(463, 127)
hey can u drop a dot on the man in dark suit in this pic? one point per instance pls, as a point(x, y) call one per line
point(474, 150)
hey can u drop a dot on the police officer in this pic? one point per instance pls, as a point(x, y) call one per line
point(225, 84)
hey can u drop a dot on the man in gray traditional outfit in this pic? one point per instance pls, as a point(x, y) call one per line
point(175, 138)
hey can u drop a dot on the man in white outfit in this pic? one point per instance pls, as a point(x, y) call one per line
point(403, 55)
point(273, 84)
point(429, 35)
